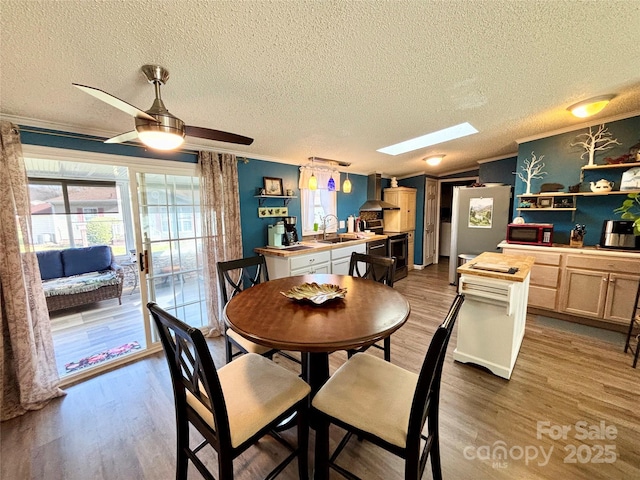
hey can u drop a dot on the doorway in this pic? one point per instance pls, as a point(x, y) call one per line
point(445, 202)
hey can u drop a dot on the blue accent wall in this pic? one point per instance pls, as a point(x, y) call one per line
point(563, 165)
point(250, 177)
point(498, 171)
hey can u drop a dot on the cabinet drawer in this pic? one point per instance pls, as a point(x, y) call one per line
point(545, 275)
point(303, 261)
point(542, 297)
point(345, 252)
point(623, 265)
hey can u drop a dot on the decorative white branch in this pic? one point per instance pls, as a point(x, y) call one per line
point(597, 141)
point(533, 168)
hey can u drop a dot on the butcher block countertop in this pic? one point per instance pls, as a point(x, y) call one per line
point(313, 247)
point(500, 261)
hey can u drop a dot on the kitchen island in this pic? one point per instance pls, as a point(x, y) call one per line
point(491, 323)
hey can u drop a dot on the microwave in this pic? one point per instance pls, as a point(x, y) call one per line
point(530, 233)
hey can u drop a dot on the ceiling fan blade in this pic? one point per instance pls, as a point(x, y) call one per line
point(217, 135)
point(115, 102)
point(123, 137)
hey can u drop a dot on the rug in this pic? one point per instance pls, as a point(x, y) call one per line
point(102, 357)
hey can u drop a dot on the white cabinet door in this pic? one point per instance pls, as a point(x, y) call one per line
point(340, 266)
point(341, 257)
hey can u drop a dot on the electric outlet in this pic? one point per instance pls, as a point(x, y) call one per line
point(341, 223)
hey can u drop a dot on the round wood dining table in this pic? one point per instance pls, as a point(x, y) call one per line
point(369, 312)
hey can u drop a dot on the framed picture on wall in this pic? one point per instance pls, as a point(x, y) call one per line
point(273, 186)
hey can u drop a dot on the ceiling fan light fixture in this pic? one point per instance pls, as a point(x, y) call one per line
point(160, 140)
point(591, 106)
point(167, 134)
point(434, 159)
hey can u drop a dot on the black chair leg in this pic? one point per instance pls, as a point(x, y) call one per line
point(322, 449)
point(303, 443)
point(387, 349)
point(182, 462)
point(228, 348)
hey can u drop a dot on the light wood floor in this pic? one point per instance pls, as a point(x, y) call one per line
point(120, 425)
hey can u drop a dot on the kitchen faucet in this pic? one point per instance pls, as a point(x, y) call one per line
point(324, 224)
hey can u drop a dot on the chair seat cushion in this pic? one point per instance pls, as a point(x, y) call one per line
point(247, 345)
point(372, 395)
point(256, 392)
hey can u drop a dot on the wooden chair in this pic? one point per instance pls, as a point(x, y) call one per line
point(233, 407)
point(233, 277)
point(379, 269)
point(633, 325)
point(387, 405)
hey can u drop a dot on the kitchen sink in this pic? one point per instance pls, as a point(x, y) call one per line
point(296, 248)
point(337, 240)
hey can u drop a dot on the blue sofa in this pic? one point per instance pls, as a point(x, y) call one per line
point(77, 276)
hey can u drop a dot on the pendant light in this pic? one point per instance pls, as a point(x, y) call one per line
point(331, 184)
point(313, 181)
point(346, 186)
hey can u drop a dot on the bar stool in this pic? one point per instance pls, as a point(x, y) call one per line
point(635, 321)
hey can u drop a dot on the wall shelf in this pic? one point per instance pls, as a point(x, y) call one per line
point(286, 198)
point(614, 165)
point(606, 167)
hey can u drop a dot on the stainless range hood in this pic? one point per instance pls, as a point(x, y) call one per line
point(374, 201)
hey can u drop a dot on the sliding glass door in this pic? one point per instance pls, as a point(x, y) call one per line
point(169, 244)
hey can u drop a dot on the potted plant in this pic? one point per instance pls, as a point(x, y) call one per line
point(630, 210)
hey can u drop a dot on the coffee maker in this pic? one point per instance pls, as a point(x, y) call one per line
point(290, 233)
point(276, 234)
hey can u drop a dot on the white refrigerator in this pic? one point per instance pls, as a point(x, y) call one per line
point(479, 218)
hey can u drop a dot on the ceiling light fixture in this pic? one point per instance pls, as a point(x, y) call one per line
point(433, 138)
point(591, 106)
point(346, 186)
point(160, 140)
point(330, 167)
point(331, 184)
point(434, 159)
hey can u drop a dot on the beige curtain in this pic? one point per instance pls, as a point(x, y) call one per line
point(222, 235)
point(27, 363)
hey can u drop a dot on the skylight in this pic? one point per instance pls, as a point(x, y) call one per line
point(433, 138)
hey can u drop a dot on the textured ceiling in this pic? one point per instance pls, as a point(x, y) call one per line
point(333, 79)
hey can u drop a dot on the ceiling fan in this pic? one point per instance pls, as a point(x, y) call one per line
point(156, 127)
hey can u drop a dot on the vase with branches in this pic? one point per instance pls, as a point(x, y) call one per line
point(532, 169)
point(592, 142)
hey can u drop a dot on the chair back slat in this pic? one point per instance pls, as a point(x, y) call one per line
point(373, 267)
point(236, 275)
point(192, 369)
point(427, 393)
